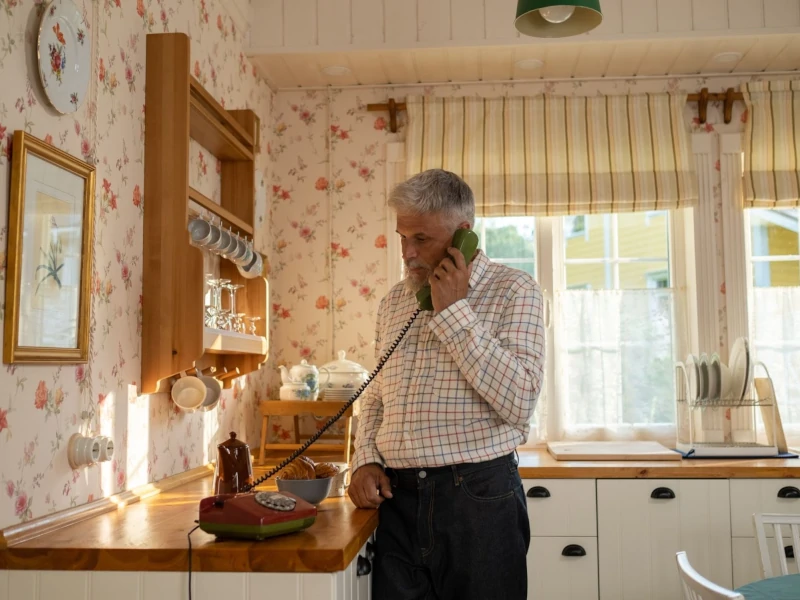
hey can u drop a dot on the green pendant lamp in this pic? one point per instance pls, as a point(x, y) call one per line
point(557, 18)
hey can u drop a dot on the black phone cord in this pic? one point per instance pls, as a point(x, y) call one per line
point(339, 414)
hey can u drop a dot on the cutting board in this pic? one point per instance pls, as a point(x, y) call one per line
point(611, 451)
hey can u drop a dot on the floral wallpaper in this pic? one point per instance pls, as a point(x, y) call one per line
point(42, 406)
point(328, 208)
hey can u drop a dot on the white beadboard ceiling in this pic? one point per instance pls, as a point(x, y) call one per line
point(432, 41)
point(597, 59)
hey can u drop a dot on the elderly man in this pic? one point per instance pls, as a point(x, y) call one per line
point(435, 447)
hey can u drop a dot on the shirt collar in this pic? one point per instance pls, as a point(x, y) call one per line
point(479, 265)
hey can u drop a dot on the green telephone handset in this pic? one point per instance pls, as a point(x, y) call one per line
point(465, 240)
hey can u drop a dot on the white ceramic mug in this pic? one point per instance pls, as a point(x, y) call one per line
point(188, 393)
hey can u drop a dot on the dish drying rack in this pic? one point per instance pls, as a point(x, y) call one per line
point(736, 426)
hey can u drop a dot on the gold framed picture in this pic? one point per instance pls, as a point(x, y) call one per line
point(50, 251)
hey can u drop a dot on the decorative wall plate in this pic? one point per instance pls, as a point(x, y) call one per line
point(65, 56)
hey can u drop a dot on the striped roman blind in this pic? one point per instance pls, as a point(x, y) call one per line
point(555, 155)
point(772, 144)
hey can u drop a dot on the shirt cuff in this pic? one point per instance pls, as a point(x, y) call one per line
point(365, 456)
point(452, 320)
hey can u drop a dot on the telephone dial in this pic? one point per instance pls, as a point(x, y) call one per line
point(266, 514)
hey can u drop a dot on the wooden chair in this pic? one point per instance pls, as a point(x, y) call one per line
point(291, 408)
point(697, 587)
point(792, 523)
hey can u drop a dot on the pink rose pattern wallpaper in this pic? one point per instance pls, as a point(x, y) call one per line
point(329, 216)
point(42, 406)
point(320, 216)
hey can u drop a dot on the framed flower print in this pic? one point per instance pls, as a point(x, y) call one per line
point(50, 251)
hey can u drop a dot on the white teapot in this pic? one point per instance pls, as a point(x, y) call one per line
point(345, 377)
point(298, 377)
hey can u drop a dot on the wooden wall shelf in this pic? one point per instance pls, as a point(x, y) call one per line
point(179, 108)
point(225, 215)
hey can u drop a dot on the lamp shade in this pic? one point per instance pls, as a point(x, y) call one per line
point(557, 18)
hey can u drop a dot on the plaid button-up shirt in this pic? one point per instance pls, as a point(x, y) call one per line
point(462, 385)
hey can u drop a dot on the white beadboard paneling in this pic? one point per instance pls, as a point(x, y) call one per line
point(399, 66)
point(268, 20)
point(306, 68)
point(570, 510)
point(466, 17)
point(593, 60)
point(499, 17)
point(659, 58)
point(639, 16)
point(789, 58)
point(525, 52)
point(333, 23)
point(63, 585)
point(282, 586)
point(318, 586)
point(400, 22)
point(693, 56)
point(674, 15)
point(551, 575)
point(430, 65)
point(367, 22)
point(463, 64)
point(745, 14)
point(433, 20)
point(741, 44)
point(750, 496)
point(612, 18)
point(168, 586)
point(116, 585)
point(213, 586)
point(21, 585)
point(781, 13)
point(710, 15)
point(496, 64)
point(764, 50)
point(626, 59)
point(327, 59)
point(367, 67)
point(747, 561)
point(638, 536)
point(300, 23)
point(560, 60)
point(276, 71)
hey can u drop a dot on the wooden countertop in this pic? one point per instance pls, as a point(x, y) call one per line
point(150, 535)
point(539, 464)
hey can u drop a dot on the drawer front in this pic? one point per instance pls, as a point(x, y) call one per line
point(750, 496)
point(563, 568)
point(747, 561)
point(561, 507)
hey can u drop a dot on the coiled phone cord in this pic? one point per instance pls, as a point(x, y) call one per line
point(344, 408)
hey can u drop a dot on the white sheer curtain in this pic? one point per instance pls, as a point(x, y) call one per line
point(615, 352)
point(775, 341)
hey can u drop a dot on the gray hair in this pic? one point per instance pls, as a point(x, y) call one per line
point(435, 191)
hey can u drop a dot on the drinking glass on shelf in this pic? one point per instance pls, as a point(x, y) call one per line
point(239, 322)
point(215, 305)
point(253, 321)
point(232, 289)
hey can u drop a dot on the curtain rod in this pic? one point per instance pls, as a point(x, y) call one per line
point(702, 98)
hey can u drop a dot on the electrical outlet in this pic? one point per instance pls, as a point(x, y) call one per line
point(82, 451)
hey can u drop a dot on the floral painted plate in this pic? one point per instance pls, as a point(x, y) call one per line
point(65, 58)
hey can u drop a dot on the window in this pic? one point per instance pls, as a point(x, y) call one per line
point(612, 341)
point(774, 302)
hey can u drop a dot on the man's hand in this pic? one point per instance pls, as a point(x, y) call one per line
point(449, 282)
point(369, 486)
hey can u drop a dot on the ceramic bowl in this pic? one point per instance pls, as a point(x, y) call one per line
point(313, 491)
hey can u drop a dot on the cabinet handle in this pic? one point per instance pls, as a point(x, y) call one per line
point(789, 492)
point(573, 550)
point(662, 493)
point(370, 551)
point(538, 491)
point(363, 566)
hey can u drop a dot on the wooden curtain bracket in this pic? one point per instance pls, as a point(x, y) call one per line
point(703, 98)
point(393, 107)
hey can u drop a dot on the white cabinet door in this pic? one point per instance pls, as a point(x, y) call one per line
point(561, 507)
point(563, 568)
point(750, 496)
point(639, 534)
point(747, 561)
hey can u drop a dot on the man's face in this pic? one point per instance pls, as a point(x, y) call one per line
point(424, 240)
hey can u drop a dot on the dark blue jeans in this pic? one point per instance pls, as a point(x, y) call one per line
point(458, 532)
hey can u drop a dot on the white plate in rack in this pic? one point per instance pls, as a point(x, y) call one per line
point(740, 368)
point(693, 375)
point(64, 55)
